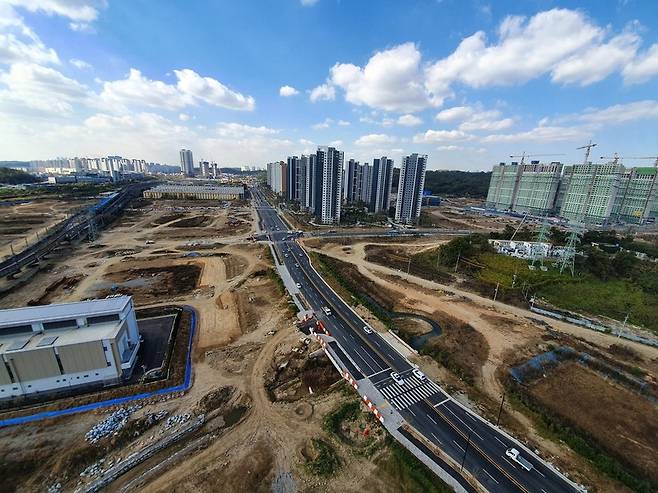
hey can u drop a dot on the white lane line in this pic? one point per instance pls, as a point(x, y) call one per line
point(436, 438)
point(442, 402)
point(462, 422)
point(493, 479)
point(501, 442)
point(539, 472)
point(462, 448)
point(432, 419)
point(412, 412)
point(377, 373)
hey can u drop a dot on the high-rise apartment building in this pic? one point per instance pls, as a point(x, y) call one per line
point(410, 188)
point(186, 162)
point(531, 188)
point(327, 187)
point(307, 164)
point(381, 179)
point(637, 195)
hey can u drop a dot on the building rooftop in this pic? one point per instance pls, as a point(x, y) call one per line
point(225, 189)
point(62, 311)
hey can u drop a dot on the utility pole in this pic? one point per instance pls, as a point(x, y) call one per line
point(457, 263)
point(409, 266)
point(468, 442)
point(496, 292)
point(500, 409)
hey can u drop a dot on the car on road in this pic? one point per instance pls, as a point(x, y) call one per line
point(397, 378)
point(296, 264)
point(299, 286)
point(419, 374)
point(516, 456)
point(367, 329)
point(326, 311)
point(286, 255)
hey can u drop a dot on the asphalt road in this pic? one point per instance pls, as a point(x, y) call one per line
point(424, 405)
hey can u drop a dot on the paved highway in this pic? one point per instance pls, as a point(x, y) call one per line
point(423, 404)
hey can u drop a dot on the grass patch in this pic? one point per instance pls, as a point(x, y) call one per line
point(326, 461)
point(346, 412)
point(411, 474)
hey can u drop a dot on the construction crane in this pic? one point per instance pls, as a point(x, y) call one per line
point(524, 155)
point(589, 148)
point(617, 157)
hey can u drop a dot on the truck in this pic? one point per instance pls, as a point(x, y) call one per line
point(516, 456)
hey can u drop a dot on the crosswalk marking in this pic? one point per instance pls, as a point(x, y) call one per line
point(413, 390)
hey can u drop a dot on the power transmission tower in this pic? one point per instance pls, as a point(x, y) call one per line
point(569, 257)
point(537, 254)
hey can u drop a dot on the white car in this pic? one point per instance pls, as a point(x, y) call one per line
point(419, 374)
point(397, 378)
point(367, 329)
point(299, 286)
point(326, 311)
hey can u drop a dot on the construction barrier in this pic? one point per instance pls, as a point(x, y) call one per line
point(348, 377)
point(372, 408)
point(322, 327)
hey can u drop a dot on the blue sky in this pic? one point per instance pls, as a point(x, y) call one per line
point(468, 82)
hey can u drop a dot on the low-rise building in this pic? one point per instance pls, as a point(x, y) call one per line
point(198, 192)
point(50, 348)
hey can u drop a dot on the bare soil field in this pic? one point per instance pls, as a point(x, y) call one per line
point(21, 221)
point(622, 422)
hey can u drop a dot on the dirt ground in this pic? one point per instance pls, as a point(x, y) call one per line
point(22, 220)
point(263, 396)
point(623, 422)
point(506, 335)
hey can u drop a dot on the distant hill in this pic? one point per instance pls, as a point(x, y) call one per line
point(454, 183)
point(12, 176)
point(14, 164)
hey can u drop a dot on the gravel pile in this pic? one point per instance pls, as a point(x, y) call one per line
point(176, 419)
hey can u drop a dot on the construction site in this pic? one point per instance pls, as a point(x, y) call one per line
point(254, 415)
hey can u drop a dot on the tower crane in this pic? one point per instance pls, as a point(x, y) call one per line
point(589, 148)
point(524, 155)
point(617, 157)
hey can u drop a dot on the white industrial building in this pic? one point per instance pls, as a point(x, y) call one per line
point(199, 192)
point(54, 347)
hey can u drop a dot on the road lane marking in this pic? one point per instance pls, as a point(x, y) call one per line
point(429, 416)
point(502, 443)
point(539, 472)
point(494, 479)
point(462, 422)
point(377, 373)
point(442, 402)
point(462, 448)
point(436, 438)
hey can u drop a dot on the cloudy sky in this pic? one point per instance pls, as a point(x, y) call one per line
point(468, 82)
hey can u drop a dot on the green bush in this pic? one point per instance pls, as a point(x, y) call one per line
point(327, 461)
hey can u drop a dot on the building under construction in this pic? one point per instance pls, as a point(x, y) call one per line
point(594, 194)
point(198, 192)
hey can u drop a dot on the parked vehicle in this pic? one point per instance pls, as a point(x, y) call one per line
point(419, 374)
point(367, 329)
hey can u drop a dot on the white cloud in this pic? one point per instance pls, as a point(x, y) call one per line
point(324, 124)
point(287, 91)
point(391, 80)
point(80, 12)
point(432, 136)
point(79, 64)
point(238, 130)
point(542, 134)
point(306, 142)
point(138, 90)
point(620, 113)
point(375, 139)
point(336, 143)
point(409, 120)
point(598, 62)
point(644, 67)
point(343, 123)
point(35, 87)
point(323, 92)
point(184, 117)
point(486, 120)
point(19, 43)
point(456, 113)
point(449, 148)
point(212, 91)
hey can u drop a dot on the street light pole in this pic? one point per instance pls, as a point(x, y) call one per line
point(468, 442)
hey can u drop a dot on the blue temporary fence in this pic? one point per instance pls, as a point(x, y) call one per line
point(20, 420)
